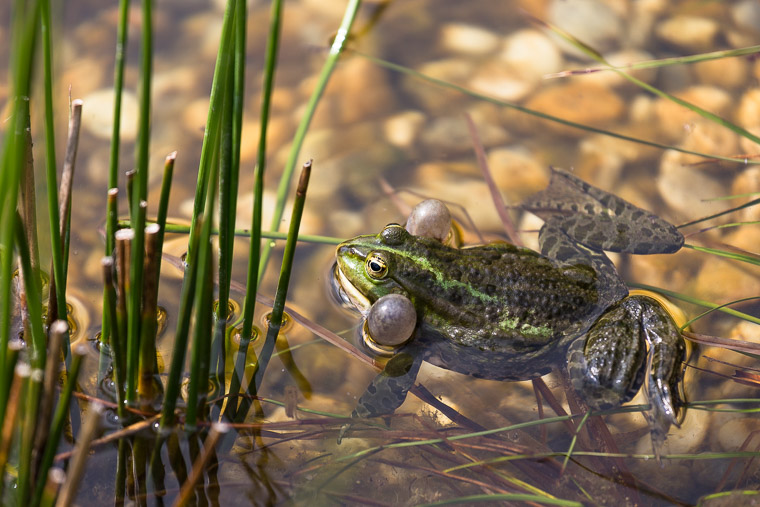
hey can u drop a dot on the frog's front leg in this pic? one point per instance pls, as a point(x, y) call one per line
point(608, 365)
point(388, 390)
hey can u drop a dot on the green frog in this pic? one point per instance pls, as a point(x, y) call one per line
point(503, 312)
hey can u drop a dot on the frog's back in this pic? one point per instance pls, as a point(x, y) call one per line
point(498, 297)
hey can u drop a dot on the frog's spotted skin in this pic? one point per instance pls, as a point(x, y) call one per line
point(503, 312)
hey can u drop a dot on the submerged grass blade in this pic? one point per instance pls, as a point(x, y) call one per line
point(646, 86)
point(664, 62)
point(689, 299)
point(538, 114)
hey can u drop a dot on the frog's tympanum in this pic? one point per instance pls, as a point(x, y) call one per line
point(503, 312)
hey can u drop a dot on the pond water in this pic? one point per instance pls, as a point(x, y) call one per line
point(381, 141)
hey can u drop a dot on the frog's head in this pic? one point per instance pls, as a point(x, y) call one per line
point(365, 265)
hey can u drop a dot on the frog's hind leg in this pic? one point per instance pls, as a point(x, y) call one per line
point(608, 365)
point(583, 264)
point(600, 220)
point(388, 390)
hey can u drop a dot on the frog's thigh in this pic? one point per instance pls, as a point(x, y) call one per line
point(388, 390)
point(607, 365)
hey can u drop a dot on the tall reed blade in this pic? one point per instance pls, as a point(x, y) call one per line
point(332, 59)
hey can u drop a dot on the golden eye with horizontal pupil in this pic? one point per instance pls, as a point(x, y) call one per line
point(376, 265)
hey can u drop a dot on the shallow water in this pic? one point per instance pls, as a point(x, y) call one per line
point(376, 123)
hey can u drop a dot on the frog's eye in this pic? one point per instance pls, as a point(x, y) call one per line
point(376, 265)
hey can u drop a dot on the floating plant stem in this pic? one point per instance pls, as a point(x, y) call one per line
point(275, 318)
point(332, 59)
point(76, 466)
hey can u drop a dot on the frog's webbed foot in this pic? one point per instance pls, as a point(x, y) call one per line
point(387, 391)
point(610, 363)
point(600, 220)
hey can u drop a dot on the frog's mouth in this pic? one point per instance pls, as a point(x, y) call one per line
point(347, 291)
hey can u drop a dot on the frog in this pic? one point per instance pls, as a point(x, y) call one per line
point(504, 312)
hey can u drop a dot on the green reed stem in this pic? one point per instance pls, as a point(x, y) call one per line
point(174, 380)
point(213, 120)
point(113, 165)
point(199, 362)
point(163, 206)
point(56, 248)
point(134, 300)
point(197, 390)
point(28, 430)
point(249, 304)
point(143, 123)
point(275, 318)
point(23, 36)
point(232, 123)
point(226, 211)
point(11, 357)
point(115, 345)
point(21, 374)
point(59, 421)
point(32, 290)
point(109, 312)
point(332, 59)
